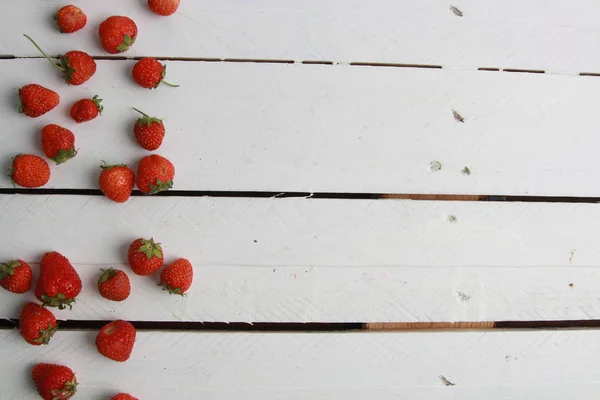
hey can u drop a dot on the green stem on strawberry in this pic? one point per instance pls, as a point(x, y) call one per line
point(169, 84)
point(141, 112)
point(44, 54)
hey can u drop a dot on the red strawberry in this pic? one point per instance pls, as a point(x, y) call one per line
point(86, 109)
point(37, 324)
point(116, 182)
point(54, 382)
point(155, 174)
point(114, 284)
point(117, 34)
point(149, 131)
point(76, 66)
point(145, 257)
point(115, 340)
point(58, 143)
point(149, 73)
point(123, 396)
point(59, 283)
point(177, 277)
point(164, 7)
point(36, 100)
point(70, 19)
point(29, 171)
point(15, 276)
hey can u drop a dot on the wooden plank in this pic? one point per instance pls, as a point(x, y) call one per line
point(530, 34)
point(331, 128)
point(549, 365)
point(309, 260)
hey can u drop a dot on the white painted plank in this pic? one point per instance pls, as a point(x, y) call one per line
point(331, 128)
point(534, 34)
point(307, 260)
point(536, 365)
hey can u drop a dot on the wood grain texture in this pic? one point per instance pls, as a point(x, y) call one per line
point(538, 365)
point(318, 128)
point(530, 34)
point(309, 260)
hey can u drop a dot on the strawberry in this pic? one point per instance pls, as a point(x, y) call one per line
point(145, 257)
point(114, 284)
point(70, 19)
point(149, 131)
point(77, 67)
point(36, 100)
point(37, 324)
point(164, 7)
point(149, 73)
point(58, 284)
point(86, 109)
point(29, 171)
point(15, 276)
point(58, 143)
point(155, 174)
point(117, 34)
point(115, 340)
point(116, 182)
point(177, 277)
point(123, 396)
point(54, 382)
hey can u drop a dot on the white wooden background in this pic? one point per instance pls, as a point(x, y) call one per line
point(291, 125)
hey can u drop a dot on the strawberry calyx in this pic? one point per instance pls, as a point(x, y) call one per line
point(150, 248)
point(171, 290)
point(160, 186)
point(59, 301)
point(67, 68)
point(46, 334)
point(67, 391)
point(162, 79)
point(8, 268)
point(109, 167)
point(127, 42)
point(107, 275)
point(64, 155)
point(97, 102)
point(147, 120)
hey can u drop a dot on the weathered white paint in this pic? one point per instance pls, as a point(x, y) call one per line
point(537, 365)
point(308, 260)
point(534, 34)
point(330, 128)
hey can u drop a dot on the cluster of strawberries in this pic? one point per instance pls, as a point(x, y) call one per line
point(117, 33)
point(58, 283)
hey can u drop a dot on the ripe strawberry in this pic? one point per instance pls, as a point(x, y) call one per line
point(15, 276)
point(114, 285)
point(116, 182)
point(37, 324)
point(86, 109)
point(76, 66)
point(164, 7)
point(155, 174)
point(36, 100)
point(177, 277)
point(149, 131)
point(117, 34)
point(123, 396)
point(58, 143)
point(54, 382)
point(115, 340)
point(29, 171)
point(59, 283)
point(145, 257)
point(149, 73)
point(70, 19)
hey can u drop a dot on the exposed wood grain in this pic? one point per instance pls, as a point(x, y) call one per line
point(309, 260)
point(548, 365)
point(518, 34)
point(320, 128)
